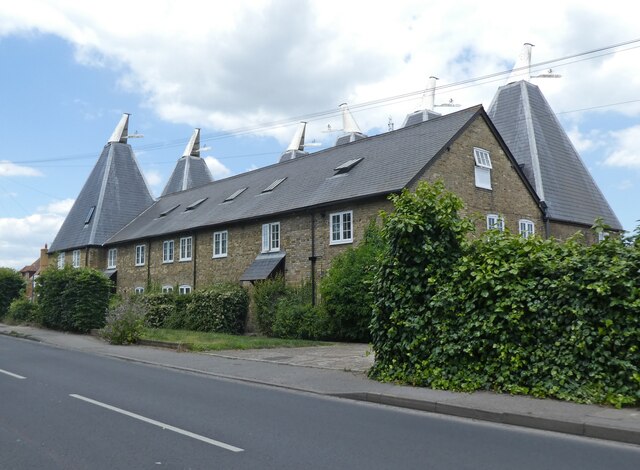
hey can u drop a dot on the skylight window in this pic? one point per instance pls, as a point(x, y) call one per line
point(235, 195)
point(273, 185)
point(92, 209)
point(347, 166)
point(162, 214)
point(190, 207)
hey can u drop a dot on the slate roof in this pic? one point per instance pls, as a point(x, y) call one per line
point(117, 192)
point(390, 162)
point(552, 165)
point(189, 172)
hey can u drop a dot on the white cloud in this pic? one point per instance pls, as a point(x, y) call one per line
point(217, 168)
point(154, 178)
point(626, 153)
point(60, 208)
point(8, 168)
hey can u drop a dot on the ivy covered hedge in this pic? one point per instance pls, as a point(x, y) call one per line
point(73, 299)
point(502, 312)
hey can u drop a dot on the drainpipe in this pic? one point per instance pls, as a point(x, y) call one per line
point(193, 254)
point(313, 259)
point(545, 218)
point(148, 262)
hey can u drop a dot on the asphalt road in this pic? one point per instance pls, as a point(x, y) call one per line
point(63, 409)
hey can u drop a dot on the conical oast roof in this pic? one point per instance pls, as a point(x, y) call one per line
point(114, 194)
point(552, 165)
point(190, 171)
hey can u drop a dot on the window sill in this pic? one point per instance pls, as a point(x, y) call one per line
point(167, 262)
point(218, 256)
point(184, 260)
point(340, 242)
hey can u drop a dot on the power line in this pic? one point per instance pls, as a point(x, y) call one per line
point(381, 102)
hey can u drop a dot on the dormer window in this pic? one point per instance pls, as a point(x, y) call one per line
point(347, 166)
point(483, 168)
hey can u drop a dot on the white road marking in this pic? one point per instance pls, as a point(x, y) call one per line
point(159, 424)
point(11, 374)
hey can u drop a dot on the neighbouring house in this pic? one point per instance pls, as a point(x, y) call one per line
point(30, 273)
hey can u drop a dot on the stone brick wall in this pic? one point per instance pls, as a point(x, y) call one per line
point(508, 197)
point(564, 230)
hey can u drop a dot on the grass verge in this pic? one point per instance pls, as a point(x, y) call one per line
point(202, 341)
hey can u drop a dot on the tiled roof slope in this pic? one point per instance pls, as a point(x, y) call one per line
point(390, 162)
point(118, 193)
point(190, 172)
point(536, 139)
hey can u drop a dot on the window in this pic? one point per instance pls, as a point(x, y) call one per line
point(347, 166)
point(75, 258)
point(184, 289)
point(112, 258)
point(526, 228)
point(495, 222)
point(140, 255)
point(168, 211)
point(483, 168)
point(167, 251)
point(89, 215)
point(192, 206)
point(139, 290)
point(167, 289)
point(602, 235)
point(235, 194)
point(185, 249)
point(273, 185)
point(61, 260)
point(341, 229)
point(271, 237)
point(220, 244)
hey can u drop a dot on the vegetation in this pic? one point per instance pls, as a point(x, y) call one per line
point(221, 308)
point(205, 341)
point(346, 289)
point(11, 286)
point(124, 322)
point(73, 299)
point(22, 311)
point(502, 312)
point(265, 298)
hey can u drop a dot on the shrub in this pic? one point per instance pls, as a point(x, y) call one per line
point(22, 311)
point(265, 297)
point(221, 308)
point(11, 285)
point(73, 299)
point(296, 317)
point(345, 290)
point(124, 323)
point(502, 312)
point(158, 308)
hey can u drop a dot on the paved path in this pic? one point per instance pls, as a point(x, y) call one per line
point(339, 371)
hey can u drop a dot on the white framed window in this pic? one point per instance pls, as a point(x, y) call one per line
point(495, 222)
point(75, 258)
point(483, 168)
point(341, 227)
point(112, 258)
point(220, 244)
point(140, 255)
point(184, 289)
point(167, 251)
point(167, 289)
point(271, 237)
point(61, 260)
point(139, 290)
point(186, 245)
point(602, 235)
point(526, 228)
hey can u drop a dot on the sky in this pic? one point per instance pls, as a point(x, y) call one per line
point(246, 72)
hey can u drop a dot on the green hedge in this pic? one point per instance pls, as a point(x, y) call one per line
point(11, 285)
point(503, 313)
point(221, 308)
point(22, 311)
point(125, 322)
point(73, 299)
point(345, 289)
point(266, 294)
